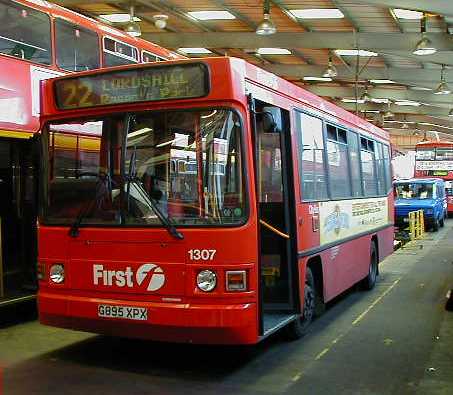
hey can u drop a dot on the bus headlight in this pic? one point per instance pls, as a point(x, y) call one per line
point(206, 280)
point(56, 273)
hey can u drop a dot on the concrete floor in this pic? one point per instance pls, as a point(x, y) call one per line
point(396, 339)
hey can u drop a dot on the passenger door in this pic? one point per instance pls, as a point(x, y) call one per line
point(275, 198)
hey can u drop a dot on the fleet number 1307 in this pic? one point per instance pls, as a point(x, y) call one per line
point(202, 255)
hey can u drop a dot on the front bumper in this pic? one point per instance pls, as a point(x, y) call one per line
point(174, 322)
point(402, 221)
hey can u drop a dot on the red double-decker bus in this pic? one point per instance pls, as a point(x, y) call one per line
point(39, 40)
point(435, 159)
point(224, 203)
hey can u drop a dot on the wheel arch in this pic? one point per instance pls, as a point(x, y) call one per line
point(315, 264)
point(375, 240)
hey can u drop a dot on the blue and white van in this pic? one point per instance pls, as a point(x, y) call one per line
point(427, 194)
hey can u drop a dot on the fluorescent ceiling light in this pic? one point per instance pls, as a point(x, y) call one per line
point(323, 79)
point(407, 14)
point(403, 122)
point(354, 52)
point(347, 100)
point(273, 51)
point(211, 15)
point(194, 51)
point(424, 47)
point(372, 111)
point(139, 132)
point(379, 100)
point(420, 88)
point(119, 18)
point(407, 103)
point(436, 125)
point(318, 13)
point(382, 82)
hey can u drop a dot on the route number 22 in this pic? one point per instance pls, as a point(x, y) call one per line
point(202, 255)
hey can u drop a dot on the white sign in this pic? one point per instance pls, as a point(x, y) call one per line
point(346, 218)
point(434, 165)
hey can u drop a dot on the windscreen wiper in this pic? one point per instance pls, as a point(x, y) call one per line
point(151, 202)
point(88, 207)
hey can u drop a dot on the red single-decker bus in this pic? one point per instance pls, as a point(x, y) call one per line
point(219, 204)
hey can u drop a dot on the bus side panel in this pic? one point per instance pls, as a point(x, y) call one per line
point(385, 243)
point(308, 226)
point(344, 265)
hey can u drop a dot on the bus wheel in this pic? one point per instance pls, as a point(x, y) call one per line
point(299, 327)
point(370, 280)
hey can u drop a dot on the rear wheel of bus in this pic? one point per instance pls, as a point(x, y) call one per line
point(369, 281)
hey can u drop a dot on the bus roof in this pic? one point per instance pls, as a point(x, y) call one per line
point(433, 144)
point(252, 79)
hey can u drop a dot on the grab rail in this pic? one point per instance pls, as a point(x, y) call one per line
point(270, 227)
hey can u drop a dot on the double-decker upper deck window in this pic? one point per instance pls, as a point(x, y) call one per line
point(25, 33)
point(367, 151)
point(117, 53)
point(313, 185)
point(337, 160)
point(148, 57)
point(77, 48)
point(425, 154)
point(444, 153)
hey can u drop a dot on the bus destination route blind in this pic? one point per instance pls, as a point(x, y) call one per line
point(136, 85)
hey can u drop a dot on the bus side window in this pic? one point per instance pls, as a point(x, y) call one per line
point(117, 53)
point(354, 161)
point(311, 157)
point(370, 184)
point(77, 48)
point(25, 33)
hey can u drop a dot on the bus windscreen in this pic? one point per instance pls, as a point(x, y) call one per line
point(135, 85)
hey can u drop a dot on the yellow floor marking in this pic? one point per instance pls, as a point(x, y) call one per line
point(360, 317)
point(297, 377)
point(322, 353)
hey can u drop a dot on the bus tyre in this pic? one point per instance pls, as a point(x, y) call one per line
point(370, 280)
point(299, 327)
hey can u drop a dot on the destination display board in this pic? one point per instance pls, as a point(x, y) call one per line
point(152, 83)
point(441, 165)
